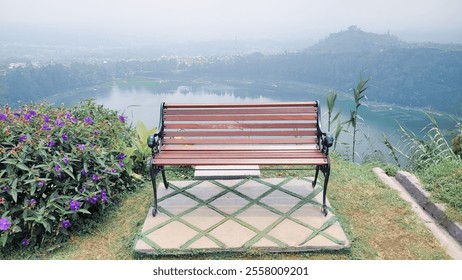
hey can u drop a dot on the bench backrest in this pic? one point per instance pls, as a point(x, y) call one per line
point(285, 123)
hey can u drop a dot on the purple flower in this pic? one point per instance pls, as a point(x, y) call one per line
point(29, 115)
point(22, 138)
point(40, 184)
point(66, 160)
point(68, 115)
point(6, 188)
point(17, 113)
point(121, 118)
point(59, 122)
point(64, 137)
point(74, 119)
point(84, 172)
point(51, 144)
point(121, 164)
point(46, 127)
point(81, 147)
point(32, 202)
point(3, 117)
point(66, 223)
point(92, 199)
point(46, 118)
point(4, 224)
point(113, 170)
point(74, 205)
point(95, 133)
point(25, 242)
point(103, 195)
point(88, 120)
point(95, 178)
point(121, 156)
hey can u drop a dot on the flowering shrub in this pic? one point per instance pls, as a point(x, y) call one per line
point(58, 165)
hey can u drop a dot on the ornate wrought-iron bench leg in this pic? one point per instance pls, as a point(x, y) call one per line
point(326, 170)
point(315, 177)
point(154, 171)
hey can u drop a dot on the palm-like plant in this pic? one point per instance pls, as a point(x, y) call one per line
point(354, 116)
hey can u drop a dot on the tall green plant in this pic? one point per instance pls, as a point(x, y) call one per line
point(358, 94)
point(421, 152)
point(330, 99)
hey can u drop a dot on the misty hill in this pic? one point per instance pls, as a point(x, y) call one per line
point(355, 40)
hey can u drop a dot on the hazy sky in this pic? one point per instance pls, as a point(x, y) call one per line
point(228, 19)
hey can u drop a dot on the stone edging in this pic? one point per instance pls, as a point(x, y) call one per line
point(415, 189)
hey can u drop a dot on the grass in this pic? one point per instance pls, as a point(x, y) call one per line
point(377, 222)
point(443, 181)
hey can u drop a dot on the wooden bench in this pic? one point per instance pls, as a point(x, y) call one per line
point(266, 134)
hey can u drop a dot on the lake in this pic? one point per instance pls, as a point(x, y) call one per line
point(140, 99)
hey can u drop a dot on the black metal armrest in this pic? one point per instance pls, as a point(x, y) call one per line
point(327, 140)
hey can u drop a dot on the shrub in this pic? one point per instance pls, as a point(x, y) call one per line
point(58, 165)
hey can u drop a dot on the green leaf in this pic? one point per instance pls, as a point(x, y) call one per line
point(22, 166)
point(85, 211)
point(4, 238)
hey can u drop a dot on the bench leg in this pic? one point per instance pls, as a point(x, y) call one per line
point(315, 176)
point(164, 177)
point(326, 171)
point(154, 171)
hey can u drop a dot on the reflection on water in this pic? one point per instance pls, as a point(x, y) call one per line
point(144, 105)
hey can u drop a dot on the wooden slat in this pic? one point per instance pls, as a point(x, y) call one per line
point(240, 105)
point(230, 133)
point(233, 141)
point(245, 125)
point(274, 117)
point(239, 111)
point(230, 161)
point(236, 147)
point(242, 154)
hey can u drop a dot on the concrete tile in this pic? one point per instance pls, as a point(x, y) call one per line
point(172, 235)
point(141, 246)
point(310, 214)
point(298, 186)
point(265, 243)
point(232, 234)
point(151, 221)
point(252, 189)
point(205, 190)
point(229, 203)
point(258, 217)
point(290, 233)
point(280, 200)
point(203, 217)
point(204, 243)
point(178, 203)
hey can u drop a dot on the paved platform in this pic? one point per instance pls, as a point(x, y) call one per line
point(275, 215)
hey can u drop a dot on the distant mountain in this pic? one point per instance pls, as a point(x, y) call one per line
point(355, 40)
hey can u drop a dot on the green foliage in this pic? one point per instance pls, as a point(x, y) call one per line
point(139, 151)
point(443, 179)
point(58, 166)
point(358, 94)
point(330, 100)
point(421, 152)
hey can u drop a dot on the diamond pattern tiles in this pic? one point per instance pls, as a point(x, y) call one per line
point(238, 215)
